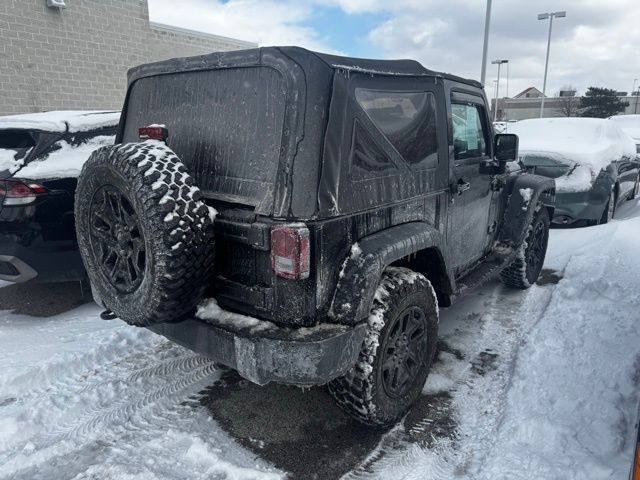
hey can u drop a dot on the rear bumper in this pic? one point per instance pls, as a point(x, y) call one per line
point(305, 356)
point(54, 261)
point(574, 206)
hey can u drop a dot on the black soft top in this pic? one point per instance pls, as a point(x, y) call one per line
point(264, 56)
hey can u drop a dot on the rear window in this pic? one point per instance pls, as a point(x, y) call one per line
point(226, 125)
point(407, 120)
point(16, 139)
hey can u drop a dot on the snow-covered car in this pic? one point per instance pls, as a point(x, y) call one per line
point(630, 124)
point(592, 161)
point(41, 155)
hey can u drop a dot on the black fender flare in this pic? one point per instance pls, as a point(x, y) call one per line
point(524, 192)
point(362, 269)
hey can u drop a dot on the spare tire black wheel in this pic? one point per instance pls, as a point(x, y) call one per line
point(145, 235)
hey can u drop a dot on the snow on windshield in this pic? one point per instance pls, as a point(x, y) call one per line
point(8, 160)
point(58, 121)
point(65, 162)
point(593, 143)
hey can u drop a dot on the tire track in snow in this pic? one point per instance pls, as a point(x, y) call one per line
point(90, 406)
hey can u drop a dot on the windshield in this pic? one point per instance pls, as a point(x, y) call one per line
point(547, 166)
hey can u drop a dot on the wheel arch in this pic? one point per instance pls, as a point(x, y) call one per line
point(514, 222)
point(415, 245)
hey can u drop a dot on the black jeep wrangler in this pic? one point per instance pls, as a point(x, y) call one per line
point(300, 217)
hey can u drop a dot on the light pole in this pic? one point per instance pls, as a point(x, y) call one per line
point(495, 108)
point(635, 108)
point(487, 20)
point(550, 16)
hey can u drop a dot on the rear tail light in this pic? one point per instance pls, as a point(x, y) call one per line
point(290, 251)
point(20, 193)
point(153, 132)
point(636, 464)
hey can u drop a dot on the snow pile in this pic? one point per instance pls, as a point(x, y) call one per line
point(592, 143)
point(66, 161)
point(8, 160)
point(62, 121)
point(571, 407)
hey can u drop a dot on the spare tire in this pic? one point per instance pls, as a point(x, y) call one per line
point(145, 235)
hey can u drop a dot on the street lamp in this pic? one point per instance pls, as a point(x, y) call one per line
point(487, 20)
point(495, 109)
point(635, 109)
point(550, 16)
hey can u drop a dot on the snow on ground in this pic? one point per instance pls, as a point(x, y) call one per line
point(85, 398)
point(536, 384)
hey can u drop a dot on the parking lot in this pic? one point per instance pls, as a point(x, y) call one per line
point(81, 397)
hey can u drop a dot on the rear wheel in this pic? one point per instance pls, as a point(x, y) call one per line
point(525, 268)
point(144, 234)
point(397, 352)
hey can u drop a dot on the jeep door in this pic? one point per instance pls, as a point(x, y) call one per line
point(471, 218)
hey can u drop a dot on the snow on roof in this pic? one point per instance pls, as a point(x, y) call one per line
point(61, 120)
point(630, 124)
point(588, 141)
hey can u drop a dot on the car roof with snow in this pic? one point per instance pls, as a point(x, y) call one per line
point(593, 141)
point(62, 121)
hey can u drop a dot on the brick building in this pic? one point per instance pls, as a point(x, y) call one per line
point(77, 57)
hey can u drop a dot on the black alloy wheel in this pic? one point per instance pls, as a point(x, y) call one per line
point(404, 350)
point(116, 239)
point(536, 247)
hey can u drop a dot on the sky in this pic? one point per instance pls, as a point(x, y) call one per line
point(597, 44)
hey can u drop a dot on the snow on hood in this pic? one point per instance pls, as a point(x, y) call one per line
point(67, 161)
point(62, 120)
point(592, 143)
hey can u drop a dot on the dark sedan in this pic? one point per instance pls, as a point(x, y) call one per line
point(592, 161)
point(41, 156)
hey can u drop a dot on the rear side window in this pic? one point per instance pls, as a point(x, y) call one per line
point(407, 120)
point(15, 139)
point(469, 137)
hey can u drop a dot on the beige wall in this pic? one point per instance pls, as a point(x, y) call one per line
point(77, 57)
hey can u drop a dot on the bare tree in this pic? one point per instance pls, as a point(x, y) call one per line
point(568, 101)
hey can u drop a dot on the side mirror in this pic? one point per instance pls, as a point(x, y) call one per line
point(505, 146)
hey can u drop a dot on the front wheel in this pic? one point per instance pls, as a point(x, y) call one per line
point(397, 351)
point(525, 268)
